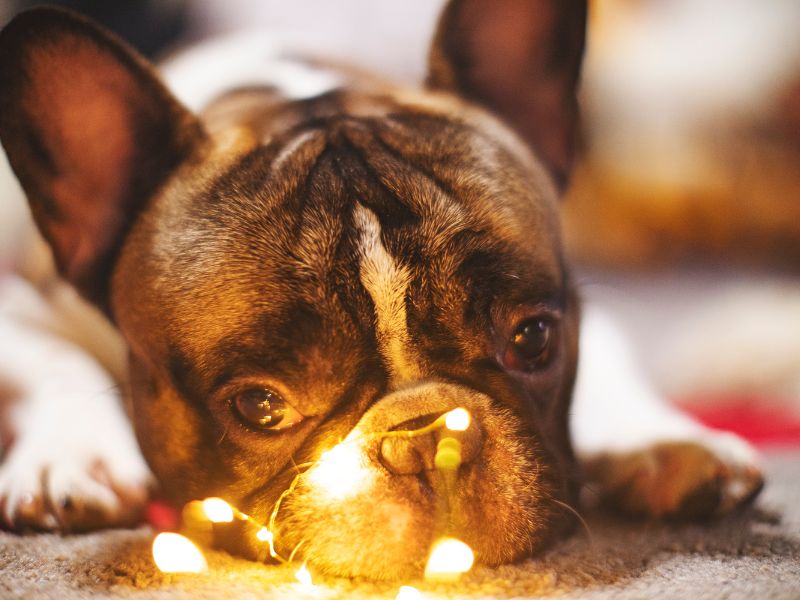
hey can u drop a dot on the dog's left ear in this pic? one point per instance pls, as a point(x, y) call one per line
point(90, 132)
point(521, 60)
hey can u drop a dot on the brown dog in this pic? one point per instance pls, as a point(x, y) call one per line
point(288, 272)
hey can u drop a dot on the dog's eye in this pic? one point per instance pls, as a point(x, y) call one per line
point(531, 345)
point(264, 409)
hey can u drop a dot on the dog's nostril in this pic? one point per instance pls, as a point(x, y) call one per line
point(411, 456)
point(408, 456)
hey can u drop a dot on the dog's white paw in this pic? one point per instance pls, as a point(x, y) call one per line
point(642, 455)
point(70, 461)
point(73, 484)
point(708, 476)
point(52, 486)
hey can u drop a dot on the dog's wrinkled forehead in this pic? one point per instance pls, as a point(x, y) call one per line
point(342, 235)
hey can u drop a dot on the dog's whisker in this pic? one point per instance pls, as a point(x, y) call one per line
point(578, 515)
point(222, 437)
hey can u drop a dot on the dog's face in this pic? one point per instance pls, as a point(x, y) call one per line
point(357, 273)
point(363, 263)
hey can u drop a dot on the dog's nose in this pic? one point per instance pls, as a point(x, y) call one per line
point(413, 455)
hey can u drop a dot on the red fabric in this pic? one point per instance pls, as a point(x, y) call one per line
point(161, 516)
point(764, 422)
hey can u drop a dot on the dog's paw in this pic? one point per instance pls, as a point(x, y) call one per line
point(688, 480)
point(44, 489)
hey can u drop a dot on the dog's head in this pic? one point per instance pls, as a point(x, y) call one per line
point(306, 273)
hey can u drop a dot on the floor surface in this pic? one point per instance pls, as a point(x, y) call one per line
point(754, 555)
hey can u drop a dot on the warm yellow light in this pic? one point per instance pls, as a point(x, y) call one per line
point(264, 535)
point(457, 419)
point(304, 577)
point(340, 472)
point(449, 558)
point(174, 553)
point(217, 510)
point(408, 592)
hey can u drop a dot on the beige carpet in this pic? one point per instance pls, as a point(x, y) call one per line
point(755, 555)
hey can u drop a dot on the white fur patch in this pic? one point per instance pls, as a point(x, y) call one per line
point(386, 282)
point(204, 72)
point(616, 409)
point(68, 435)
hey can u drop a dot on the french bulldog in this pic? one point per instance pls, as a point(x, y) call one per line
point(291, 269)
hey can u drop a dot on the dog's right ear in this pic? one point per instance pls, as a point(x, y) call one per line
point(521, 60)
point(90, 132)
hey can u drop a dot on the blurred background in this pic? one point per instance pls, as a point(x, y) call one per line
point(691, 108)
point(684, 211)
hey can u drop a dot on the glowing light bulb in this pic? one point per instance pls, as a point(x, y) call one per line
point(174, 553)
point(457, 419)
point(408, 592)
point(304, 577)
point(449, 559)
point(340, 471)
point(217, 510)
point(448, 454)
point(264, 535)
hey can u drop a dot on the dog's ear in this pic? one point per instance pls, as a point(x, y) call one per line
point(90, 132)
point(521, 60)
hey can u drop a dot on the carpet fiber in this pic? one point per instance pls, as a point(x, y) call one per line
point(754, 555)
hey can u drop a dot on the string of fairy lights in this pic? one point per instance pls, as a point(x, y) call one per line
point(449, 557)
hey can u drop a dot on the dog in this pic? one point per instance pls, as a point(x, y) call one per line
point(317, 255)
